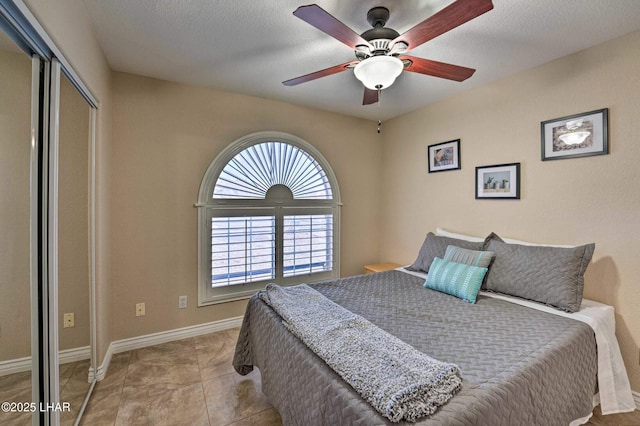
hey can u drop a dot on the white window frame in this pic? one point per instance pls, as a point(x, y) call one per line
point(209, 207)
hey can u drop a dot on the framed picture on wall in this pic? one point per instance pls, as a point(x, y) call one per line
point(501, 181)
point(444, 156)
point(578, 135)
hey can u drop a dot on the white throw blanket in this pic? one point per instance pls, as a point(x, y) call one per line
point(399, 381)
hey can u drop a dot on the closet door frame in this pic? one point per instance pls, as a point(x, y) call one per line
point(53, 160)
point(48, 63)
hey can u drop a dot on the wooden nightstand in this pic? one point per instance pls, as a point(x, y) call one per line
point(379, 267)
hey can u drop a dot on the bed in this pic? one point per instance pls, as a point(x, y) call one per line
point(520, 362)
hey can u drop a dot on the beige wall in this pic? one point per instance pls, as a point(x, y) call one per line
point(571, 201)
point(68, 25)
point(164, 137)
point(15, 130)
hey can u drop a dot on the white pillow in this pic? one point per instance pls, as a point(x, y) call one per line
point(444, 233)
point(527, 243)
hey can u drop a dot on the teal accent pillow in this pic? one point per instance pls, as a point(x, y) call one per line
point(456, 279)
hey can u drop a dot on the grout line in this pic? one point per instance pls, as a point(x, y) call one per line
point(206, 403)
point(120, 388)
point(204, 395)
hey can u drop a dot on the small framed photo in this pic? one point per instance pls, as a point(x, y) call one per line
point(500, 181)
point(444, 156)
point(578, 135)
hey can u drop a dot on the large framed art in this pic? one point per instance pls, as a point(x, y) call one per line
point(578, 135)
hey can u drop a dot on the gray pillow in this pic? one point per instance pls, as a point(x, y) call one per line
point(435, 246)
point(478, 258)
point(550, 275)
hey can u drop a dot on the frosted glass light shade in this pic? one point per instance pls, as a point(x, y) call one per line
point(378, 72)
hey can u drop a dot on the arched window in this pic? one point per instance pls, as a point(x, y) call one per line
point(268, 212)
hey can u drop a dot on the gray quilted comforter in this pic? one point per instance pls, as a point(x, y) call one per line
point(395, 378)
point(519, 366)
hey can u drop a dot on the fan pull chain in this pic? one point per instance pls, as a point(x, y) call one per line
point(379, 99)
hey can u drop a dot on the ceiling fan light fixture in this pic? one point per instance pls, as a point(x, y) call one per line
point(378, 72)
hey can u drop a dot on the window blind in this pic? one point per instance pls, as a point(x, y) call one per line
point(242, 249)
point(307, 244)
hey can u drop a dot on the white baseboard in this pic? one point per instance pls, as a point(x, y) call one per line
point(101, 371)
point(66, 356)
point(73, 355)
point(140, 342)
point(15, 366)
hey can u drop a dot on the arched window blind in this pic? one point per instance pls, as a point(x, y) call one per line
point(269, 212)
point(251, 173)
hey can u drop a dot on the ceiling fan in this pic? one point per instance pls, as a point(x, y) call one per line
point(381, 52)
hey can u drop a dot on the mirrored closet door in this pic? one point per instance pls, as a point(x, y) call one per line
point(15, 223)
point(74, 277)
point(47, 216)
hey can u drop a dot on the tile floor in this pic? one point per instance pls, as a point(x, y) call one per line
point(627, 419)
point(73, 389)
point(187, 382)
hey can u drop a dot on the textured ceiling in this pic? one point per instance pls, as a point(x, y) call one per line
point(250, 47)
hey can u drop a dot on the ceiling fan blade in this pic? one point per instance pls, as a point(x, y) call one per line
point(438, 69)
point(447, 19)
point(322, 73)
point(322, 20)
point(370, 97)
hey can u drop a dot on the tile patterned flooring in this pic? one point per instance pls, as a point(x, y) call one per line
point(627, 419)
point(73, 389)
point(186, 382)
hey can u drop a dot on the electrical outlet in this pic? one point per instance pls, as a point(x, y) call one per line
point(69, 320)
point(140, 309)
point(182, 302)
